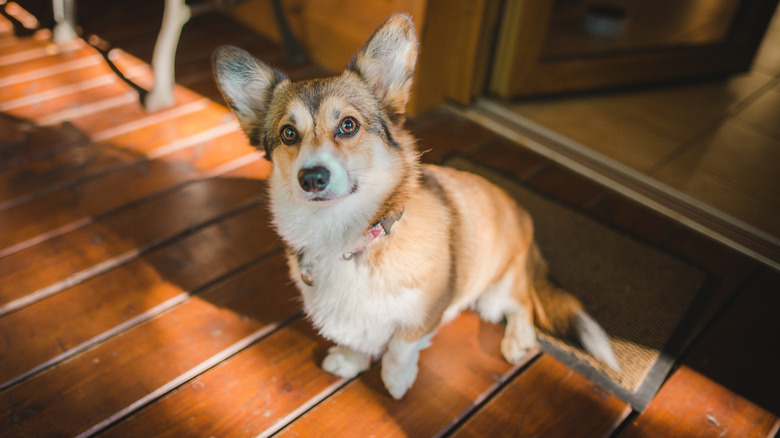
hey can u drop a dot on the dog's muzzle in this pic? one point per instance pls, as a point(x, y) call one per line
point(314, 179)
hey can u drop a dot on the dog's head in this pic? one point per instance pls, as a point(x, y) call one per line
point(328, 139)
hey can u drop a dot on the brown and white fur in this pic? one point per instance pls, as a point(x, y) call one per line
point(460, 243)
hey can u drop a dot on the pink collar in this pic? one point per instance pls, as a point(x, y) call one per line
point(379, 229)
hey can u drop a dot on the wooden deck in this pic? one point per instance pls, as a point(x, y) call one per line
point(142, 292)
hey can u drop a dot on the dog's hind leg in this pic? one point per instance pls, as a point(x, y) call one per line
point(505, 299)
point(345, 362)
point(399, 363)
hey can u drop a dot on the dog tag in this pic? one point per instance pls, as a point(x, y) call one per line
point(307, 276)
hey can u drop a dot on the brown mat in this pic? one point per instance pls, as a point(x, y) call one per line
point(645, 298)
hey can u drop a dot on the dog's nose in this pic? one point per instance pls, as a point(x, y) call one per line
point(314, 179)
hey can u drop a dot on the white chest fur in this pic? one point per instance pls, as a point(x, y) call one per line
point(353, 305)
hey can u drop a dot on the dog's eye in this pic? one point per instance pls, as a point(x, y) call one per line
point(348, 126)
point(289, 134)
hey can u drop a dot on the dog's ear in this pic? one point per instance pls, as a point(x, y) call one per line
point(386, 61)
point(247, 86)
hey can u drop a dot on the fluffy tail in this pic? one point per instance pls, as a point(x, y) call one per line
point(560, 313)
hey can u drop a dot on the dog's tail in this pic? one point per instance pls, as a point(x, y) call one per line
point(561, 313)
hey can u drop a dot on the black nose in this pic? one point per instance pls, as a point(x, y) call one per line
point(314, 179)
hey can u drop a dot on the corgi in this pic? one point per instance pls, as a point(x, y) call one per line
point(383, 248)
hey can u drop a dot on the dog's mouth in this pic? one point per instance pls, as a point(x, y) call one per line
point(326, 196)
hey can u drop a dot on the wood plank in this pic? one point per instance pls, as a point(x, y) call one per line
point(129, 116)
point(67, 167)
point(25, 51)
point(76, 256)
point(547, 399)
point(509, 158)
point(92, 99)
point(252, 394)
point(728, 384)
point(66, 82)
point(73, 207)
point(103, 384)
point(56, 328)
point(635, 218)
point(34, 46)
point(69, 209)
point(462, 367)
point(40, 141)
point(46, 66)
point(441, 132)
point(565, 185)
point(6, 28)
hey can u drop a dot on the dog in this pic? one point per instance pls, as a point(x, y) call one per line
point(383, 248)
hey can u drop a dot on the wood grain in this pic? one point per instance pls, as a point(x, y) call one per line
point(40, 141)
point(567, 186)
point(167, 307)
point(76, 256)
point(72, 207)
point(253, 394)
point(48, 65)
point(439, 134)
point(635, 218)
point(50, 328)
point(547, 399)
point(81, 393)
point(72, 165)
point(506, 157)
point(67, 82)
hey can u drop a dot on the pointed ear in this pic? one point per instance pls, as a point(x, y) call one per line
point(247, 86)
point(386, 61)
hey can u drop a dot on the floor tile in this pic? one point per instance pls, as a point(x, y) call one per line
point(762, 215)
point(733, 156)
point(632, 143)
point(567, 186)
point(767, 59)
point(635, 218)
point(682, 111)
point(763, 114)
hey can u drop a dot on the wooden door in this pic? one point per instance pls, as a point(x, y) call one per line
point(548, 46)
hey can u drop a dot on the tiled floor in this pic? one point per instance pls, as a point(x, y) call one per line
point(716, 141)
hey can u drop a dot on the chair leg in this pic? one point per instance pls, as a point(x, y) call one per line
point(175, 16)
point(65, 19)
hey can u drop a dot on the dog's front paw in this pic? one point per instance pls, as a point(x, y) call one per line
point(345, 362)
point(398, 378)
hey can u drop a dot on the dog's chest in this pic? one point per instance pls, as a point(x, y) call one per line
point(355, 304)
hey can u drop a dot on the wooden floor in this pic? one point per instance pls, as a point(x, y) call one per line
point(142, 292)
